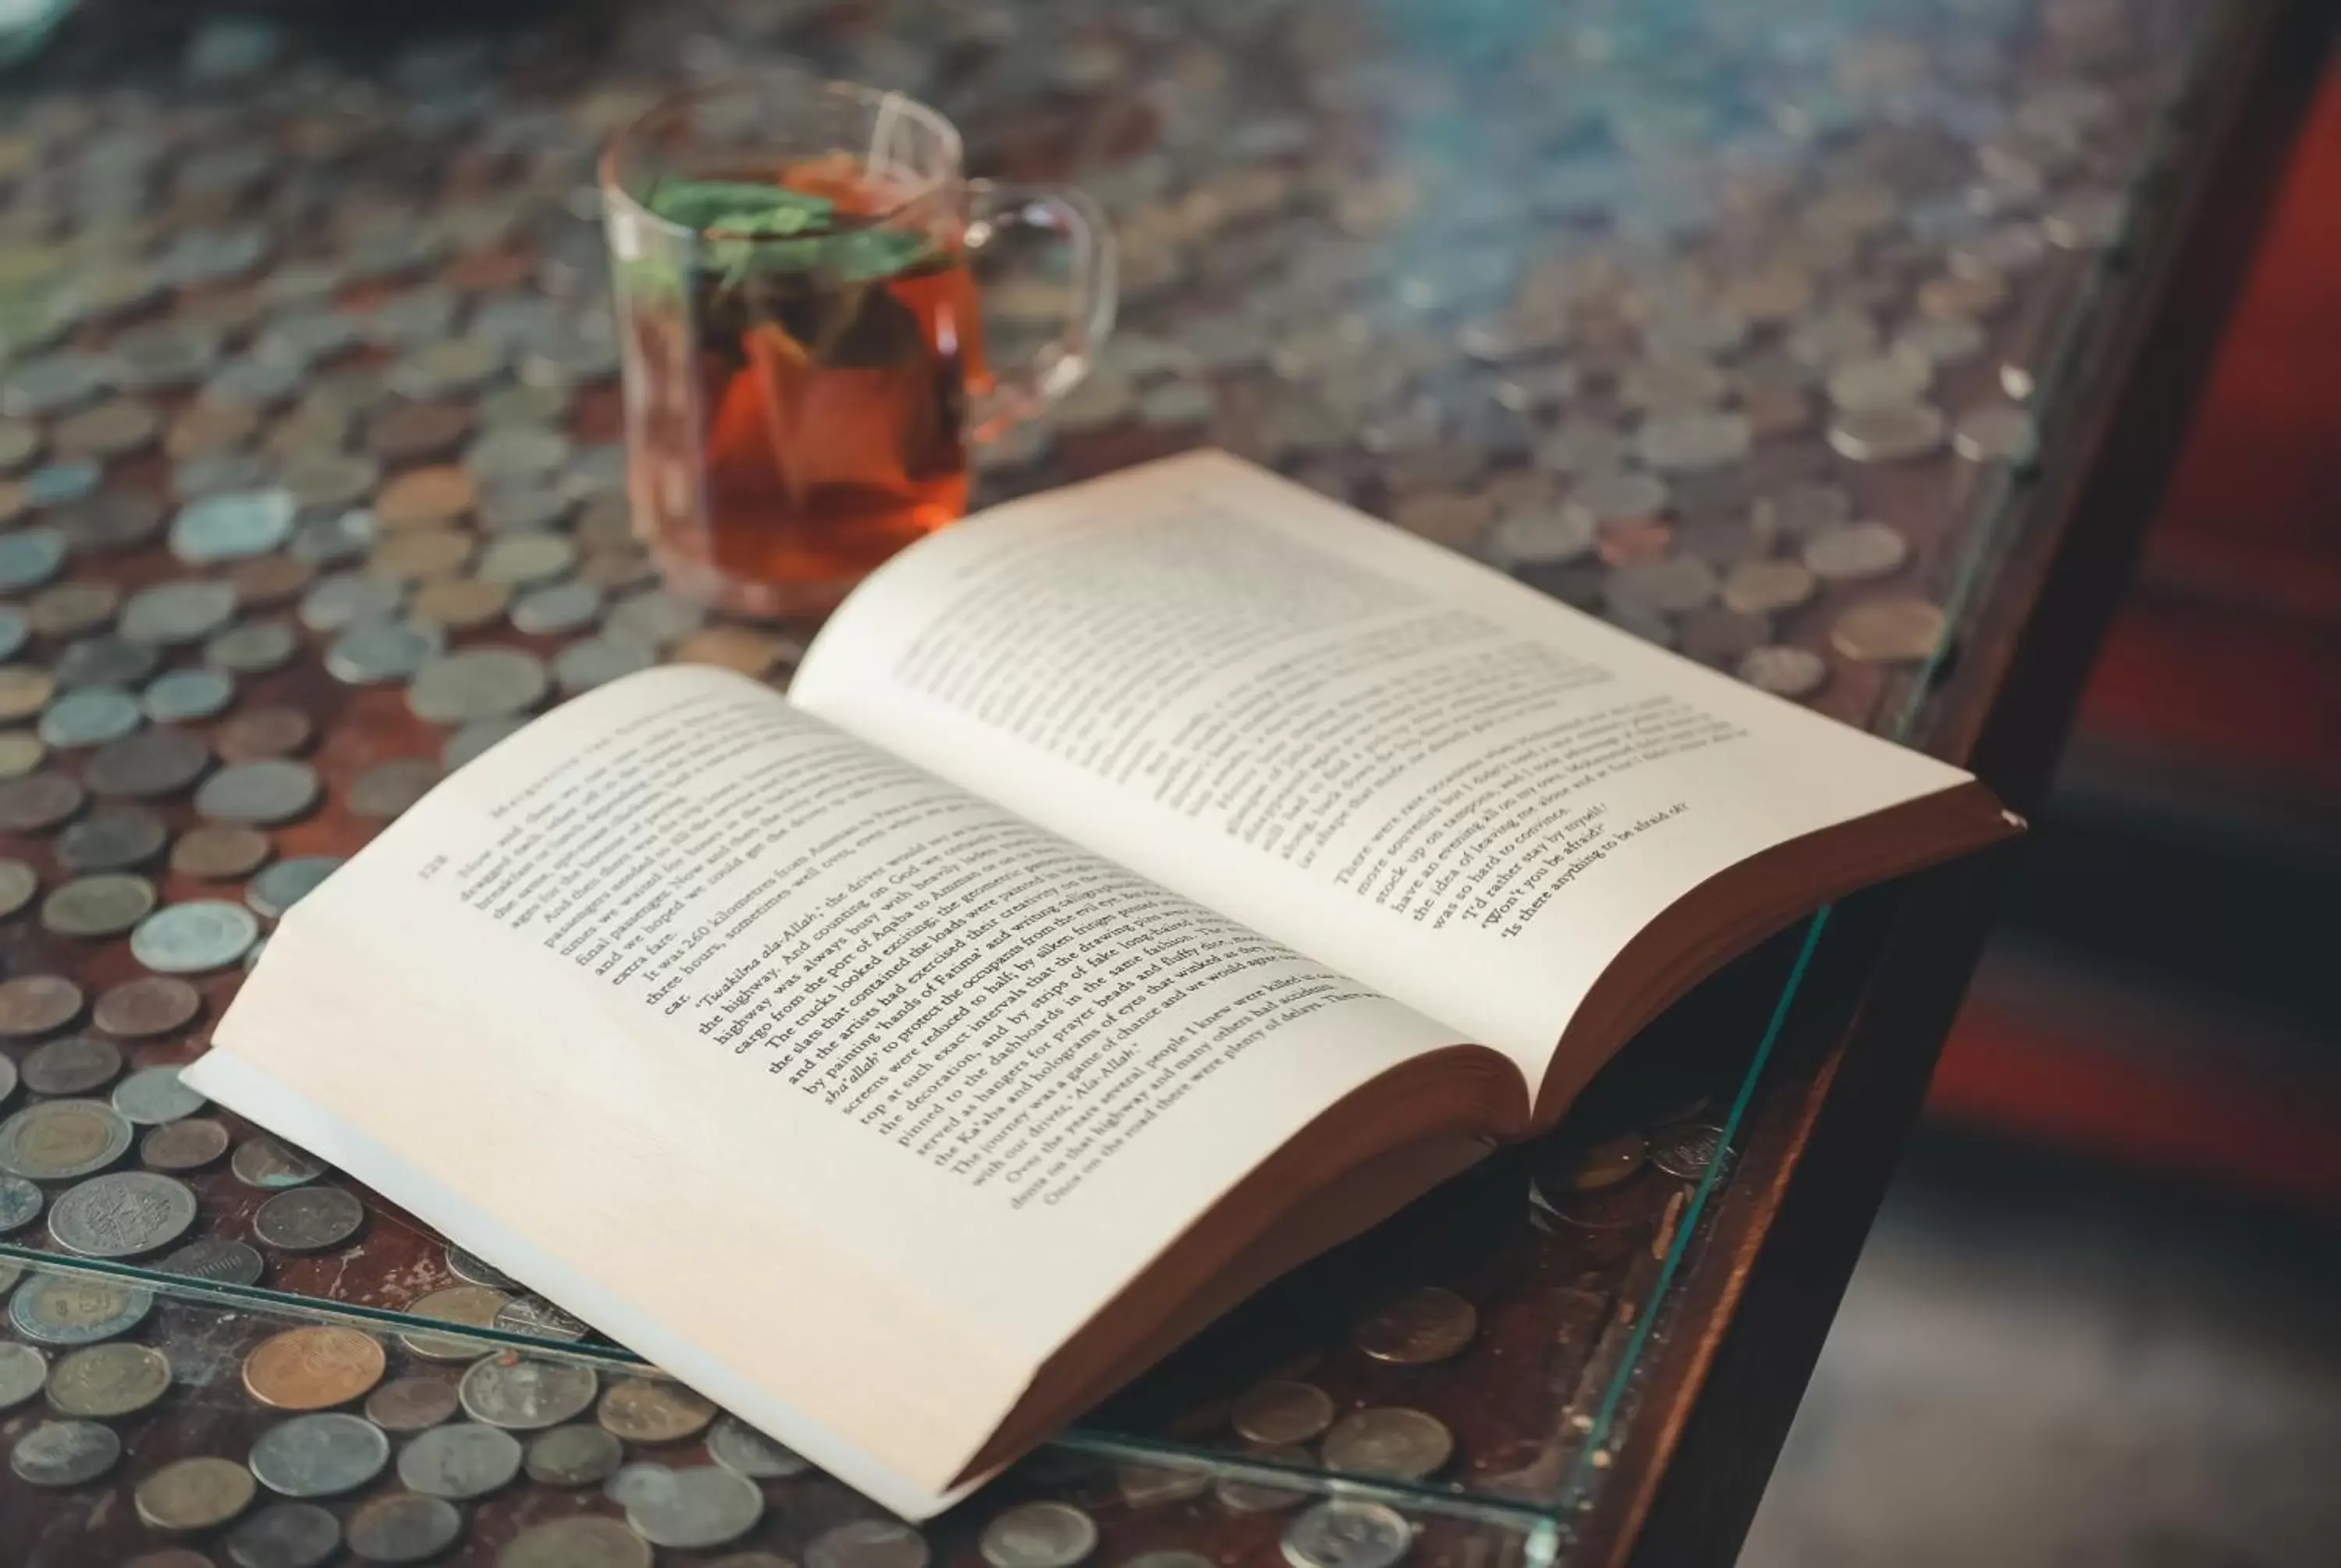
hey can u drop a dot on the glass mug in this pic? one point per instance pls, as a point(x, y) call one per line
point(804, 362)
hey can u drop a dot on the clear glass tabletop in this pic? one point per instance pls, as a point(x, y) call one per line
point(1742, 326)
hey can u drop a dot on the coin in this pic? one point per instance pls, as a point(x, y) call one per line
point(1036, 1536)
point(387, 788)
point(262, 793)
point(142, 1008)
point(478, 683)
point(417, 431)
point(288, 882)
point(18, 883)
point(1418, 1326)
point(24, 692)
point(581, 1541)
point(23, 1371)
point(471, 740)
point(522, 1395)
point(319, 1455)
point(58, 1140)
point(173, 612)
point(400, 1527)
point(631, 1482)
point(89, 718)
point(264, 582)
point(105, 905)
point(328, 480)
point(314, 1367)
point(517, 452)
point(20, 753)
point(1687, 1149)
point(196, 936)
point(264, 732)
point(115, 428)
point(216, 1259)
point(102, 1382)
point(261, 1161)
point(462, 1460)
point(216, 854)
point(20, 1205)
point(744, 1450)
point(308, 1219)
point(1855, 553)
point(702, 1506)
point(410, 558)
point(459, 603)
point(594, 661)
point(525, 559)
point(557, 609)
point(1348, 1532)
point(72, 1066)
point(653, 619)
point(184, 695)
point(1767, 587)
point(148, 765)
point(62, 1454)
point(465, 1305)
point(523, 506)
point(33, 804)
point(1391, 1441)
point(111, 839)
point(651, 1410)
point(1281, 1412)
point(122, 1215)
point(473, 1269)
point(384, 649)
point(31, 1006)
point(1996, 433)
point(56, 1309)
point(1887, 631)
point(1896, 433)
point(285, 1536)
point(70, 608)
point(868, 1544)
point(564, 1455)
point(411, 1402)
point(182, 1145)
point(346, 599)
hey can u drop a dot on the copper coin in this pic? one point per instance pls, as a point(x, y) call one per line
point(207, 429)
point(1889, 630)
point(315, 1367)
point(415, 557)
point(23, 690)
point(413, 1403)
point(1604, 1163)
point(149, 764)
point(270, 580)
point(18, 884)
point(460, 603)
point(20, 751)
point(218, 852)
point(1633, 543)
point(424, 497)
point(417, 432)
point(70, 608)
point(652, 1410)
point(1418, 1327)
point(112, 428)
point(262, 733)
point(35, 1004)
point(1280, 1411)
point(465, 1305)
point(152, 1005)
point(733, 648)
point(188, 1144)
point(38, 802)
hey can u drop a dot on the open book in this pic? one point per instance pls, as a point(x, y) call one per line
point(1145, 886)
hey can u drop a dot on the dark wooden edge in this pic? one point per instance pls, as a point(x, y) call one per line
point(1852, 1067)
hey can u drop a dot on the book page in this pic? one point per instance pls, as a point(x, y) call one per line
point(1382, 754)
point(837, 1089)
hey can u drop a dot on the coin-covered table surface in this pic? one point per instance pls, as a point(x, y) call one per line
point(1752, 328)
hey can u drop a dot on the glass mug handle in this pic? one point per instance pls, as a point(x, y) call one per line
point(996, 207)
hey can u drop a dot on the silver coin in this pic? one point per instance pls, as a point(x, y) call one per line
point(1893, 434)
point(703, 1506)
point(218, 474)
point(346, 599)
point(1542, 536)
point(1767, 587)
point(29, 558)
point(216, 1259)
point(400, 1527)
point(1784, 671)
point(322, 1456)
point(539, 1318)
point(558, 609)
point(233, 525)
point(654, 618)
point(1242, 1495)
point(631, 1483)
point(1348, 1532)
point(104, 661)
point(303, 337)
point(1673, 585)
point(254, 383)
point(15, 630)
point(868, 1544)
point(459, 1461)
point(1694, 441)
point(564, 1456)
point(1879, 382)
point(60, 1310)
point(517, 452)
point(1622, 497)
point(285, 1536)
point(58, 1140)
point(473, 1269)
point(62, 1454)
point(20, 1204)
point(329, 481)
point(175, 612)
point(104, 905)
point(521, 506)
point(1941, 341)
point(477, 683)
point(153, 1095)
point(263, 1162)
point(525, 560)
point(1997, 432)
point(90, 716)
point(374, 651)
point(1039, 1535)
point(536, 405)
point(186, 695)
point(1391, 1441)
point(594, 661)
point(254, 648)
point(308, 1219)
point(23, 1371)
point(265, 793)
point(744, 1450)
point(520, 1394)
point(123, 1215)
point(188, 1144)
point(56, 383)
point(1857, 552)
point(194, 938)
point(63, 483)
point(580, 1541)
point(331, 540)
point(284, 884)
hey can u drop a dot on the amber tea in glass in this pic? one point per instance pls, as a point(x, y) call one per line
point(802, 337)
